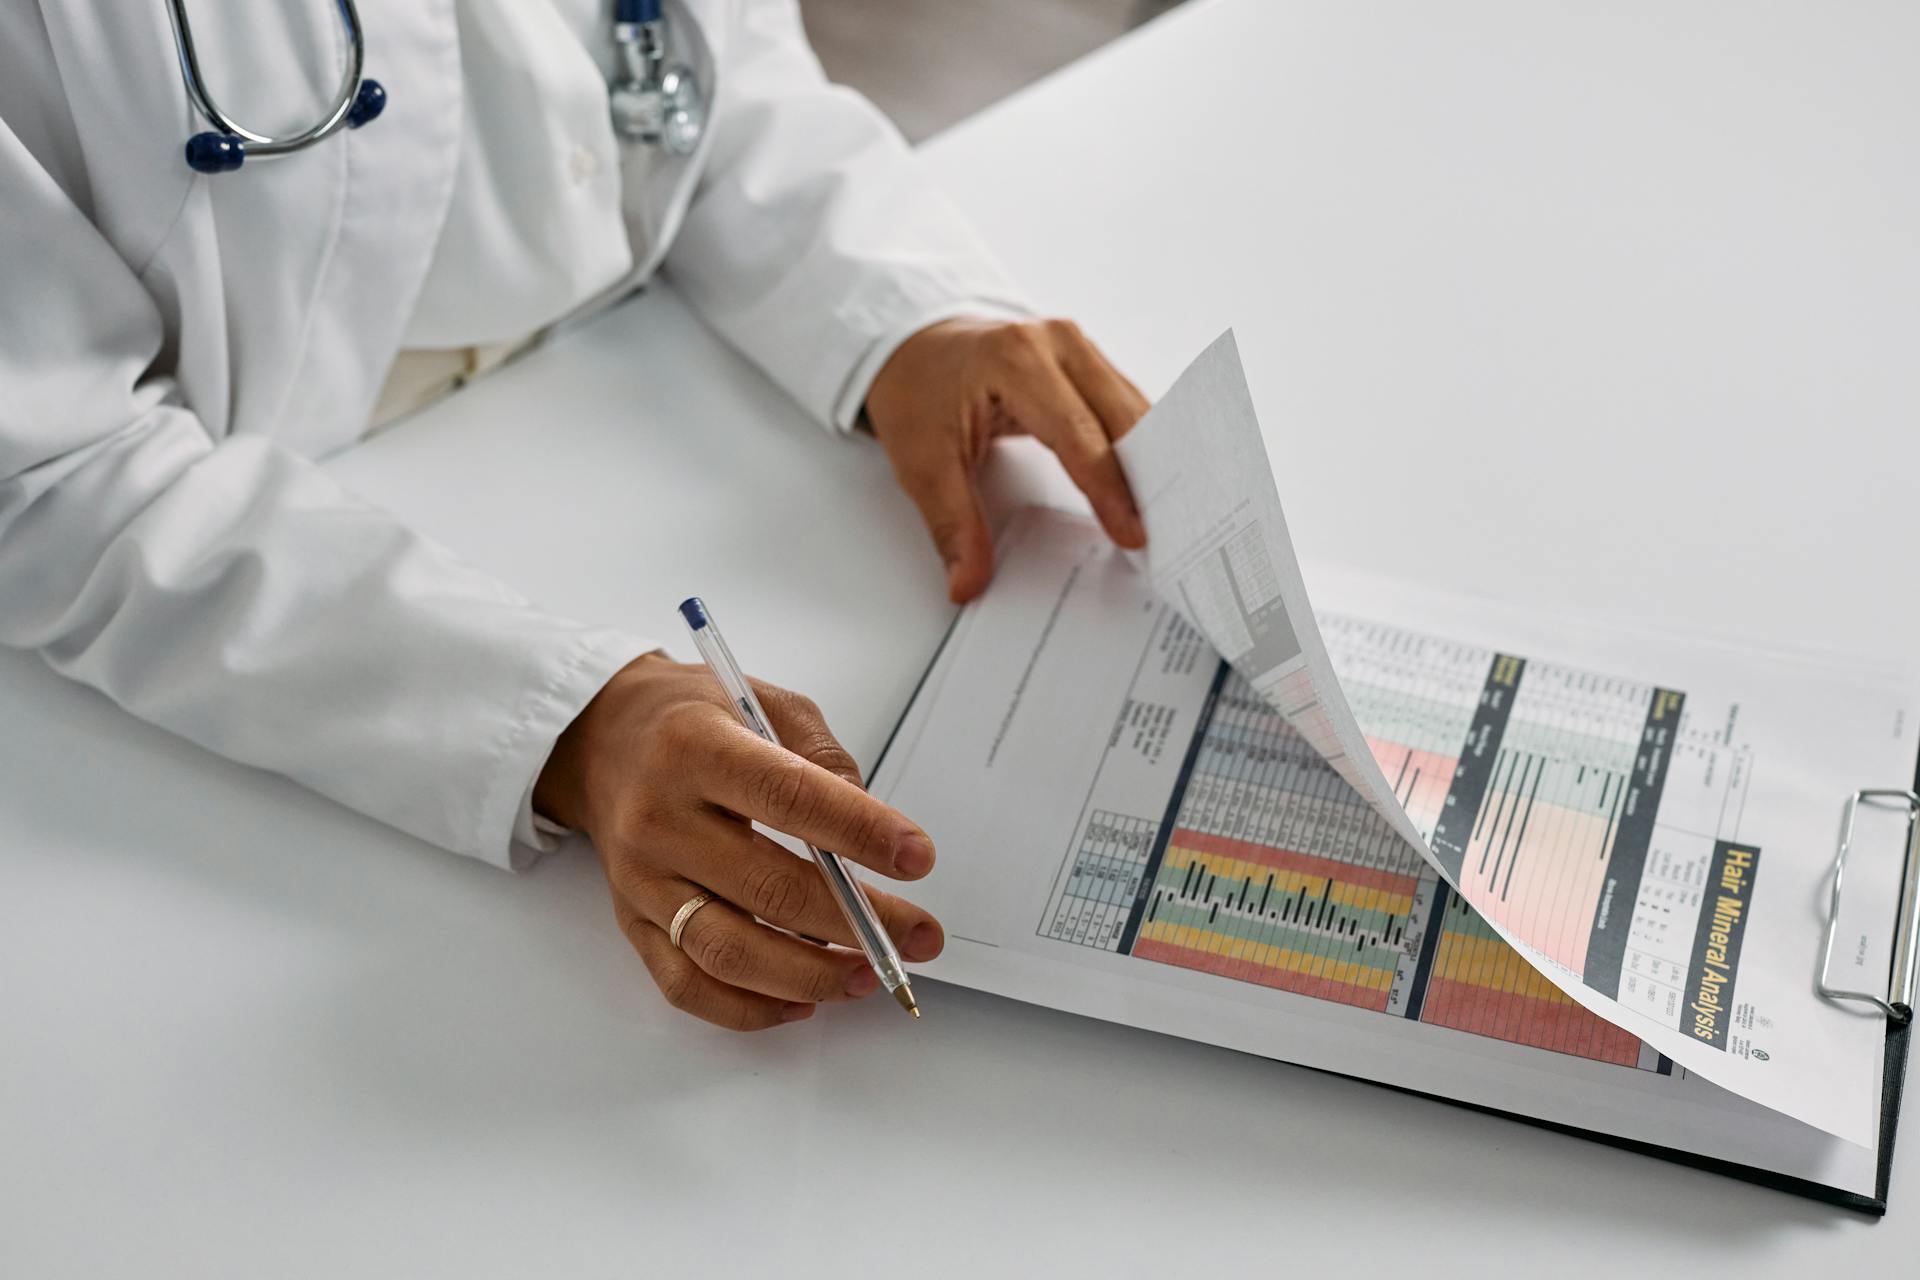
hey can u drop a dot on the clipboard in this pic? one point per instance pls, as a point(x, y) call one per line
point(1895, 1003)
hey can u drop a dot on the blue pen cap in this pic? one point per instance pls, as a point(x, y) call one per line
point(694, 612)
point(636, 11)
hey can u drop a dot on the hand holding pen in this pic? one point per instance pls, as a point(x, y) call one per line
point(665, 778)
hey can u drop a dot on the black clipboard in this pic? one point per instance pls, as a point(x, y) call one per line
point(1897, 1004)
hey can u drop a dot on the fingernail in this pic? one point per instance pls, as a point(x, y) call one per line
point(912, 855)
point(923, 942)
point(862, 982)
point(798, 1011)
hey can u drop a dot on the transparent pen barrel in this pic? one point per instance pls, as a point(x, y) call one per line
point(861, 918)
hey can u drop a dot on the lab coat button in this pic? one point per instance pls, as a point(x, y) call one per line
point(583, 165)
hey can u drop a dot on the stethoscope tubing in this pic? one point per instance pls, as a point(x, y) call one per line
point(259, 144)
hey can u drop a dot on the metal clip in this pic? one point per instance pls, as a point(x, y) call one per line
point(1898, 1001)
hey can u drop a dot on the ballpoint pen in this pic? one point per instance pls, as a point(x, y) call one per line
point(866, 926)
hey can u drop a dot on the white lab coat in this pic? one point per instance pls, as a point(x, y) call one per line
point(176, 349)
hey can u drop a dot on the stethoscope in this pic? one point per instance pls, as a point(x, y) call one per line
point(653, 102)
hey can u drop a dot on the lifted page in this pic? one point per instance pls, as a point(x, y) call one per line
point(1649, 834)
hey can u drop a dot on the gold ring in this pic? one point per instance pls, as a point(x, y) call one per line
point(684, 914)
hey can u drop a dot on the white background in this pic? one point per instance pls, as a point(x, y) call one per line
point(1582, 305)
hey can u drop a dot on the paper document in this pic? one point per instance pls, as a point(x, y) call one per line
point(1461, 852)
point(1594, 820)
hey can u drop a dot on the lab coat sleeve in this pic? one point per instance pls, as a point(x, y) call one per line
point(232, 592)
point(815, 242)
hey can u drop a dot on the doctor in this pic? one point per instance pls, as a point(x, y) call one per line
point(177, 347)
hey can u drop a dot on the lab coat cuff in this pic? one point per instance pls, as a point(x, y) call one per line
point(533, 832)
point(852, 401)
point(511, 834)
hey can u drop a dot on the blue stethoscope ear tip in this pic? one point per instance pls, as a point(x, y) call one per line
point(215, 152)
point(224, 152)
point(368, 103)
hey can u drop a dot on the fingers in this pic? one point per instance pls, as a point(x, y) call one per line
point(733, 948)
point(1041, 378)
point(1050, 406)
point(693, 991)
point(688, 783)
point(796, 720)
point(764, 880)
point(735, 972)
point(1111, 394)
point(917, 934)
point(769, 784)
point(956, 518)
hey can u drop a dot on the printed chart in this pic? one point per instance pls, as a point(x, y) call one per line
point(1592, 815)
point(1274, 871)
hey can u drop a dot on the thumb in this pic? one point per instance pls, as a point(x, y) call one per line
point(956, 518)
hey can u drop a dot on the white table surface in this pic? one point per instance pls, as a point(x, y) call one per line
point(1589, 306)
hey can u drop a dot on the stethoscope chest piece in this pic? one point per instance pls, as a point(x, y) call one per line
point(653, 102)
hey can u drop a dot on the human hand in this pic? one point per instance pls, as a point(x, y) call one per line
point(951, 389)
point(664, 779)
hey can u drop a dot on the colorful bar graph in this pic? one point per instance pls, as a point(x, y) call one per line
point(1268, 868)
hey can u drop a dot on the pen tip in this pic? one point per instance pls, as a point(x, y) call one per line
point(904, 994)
